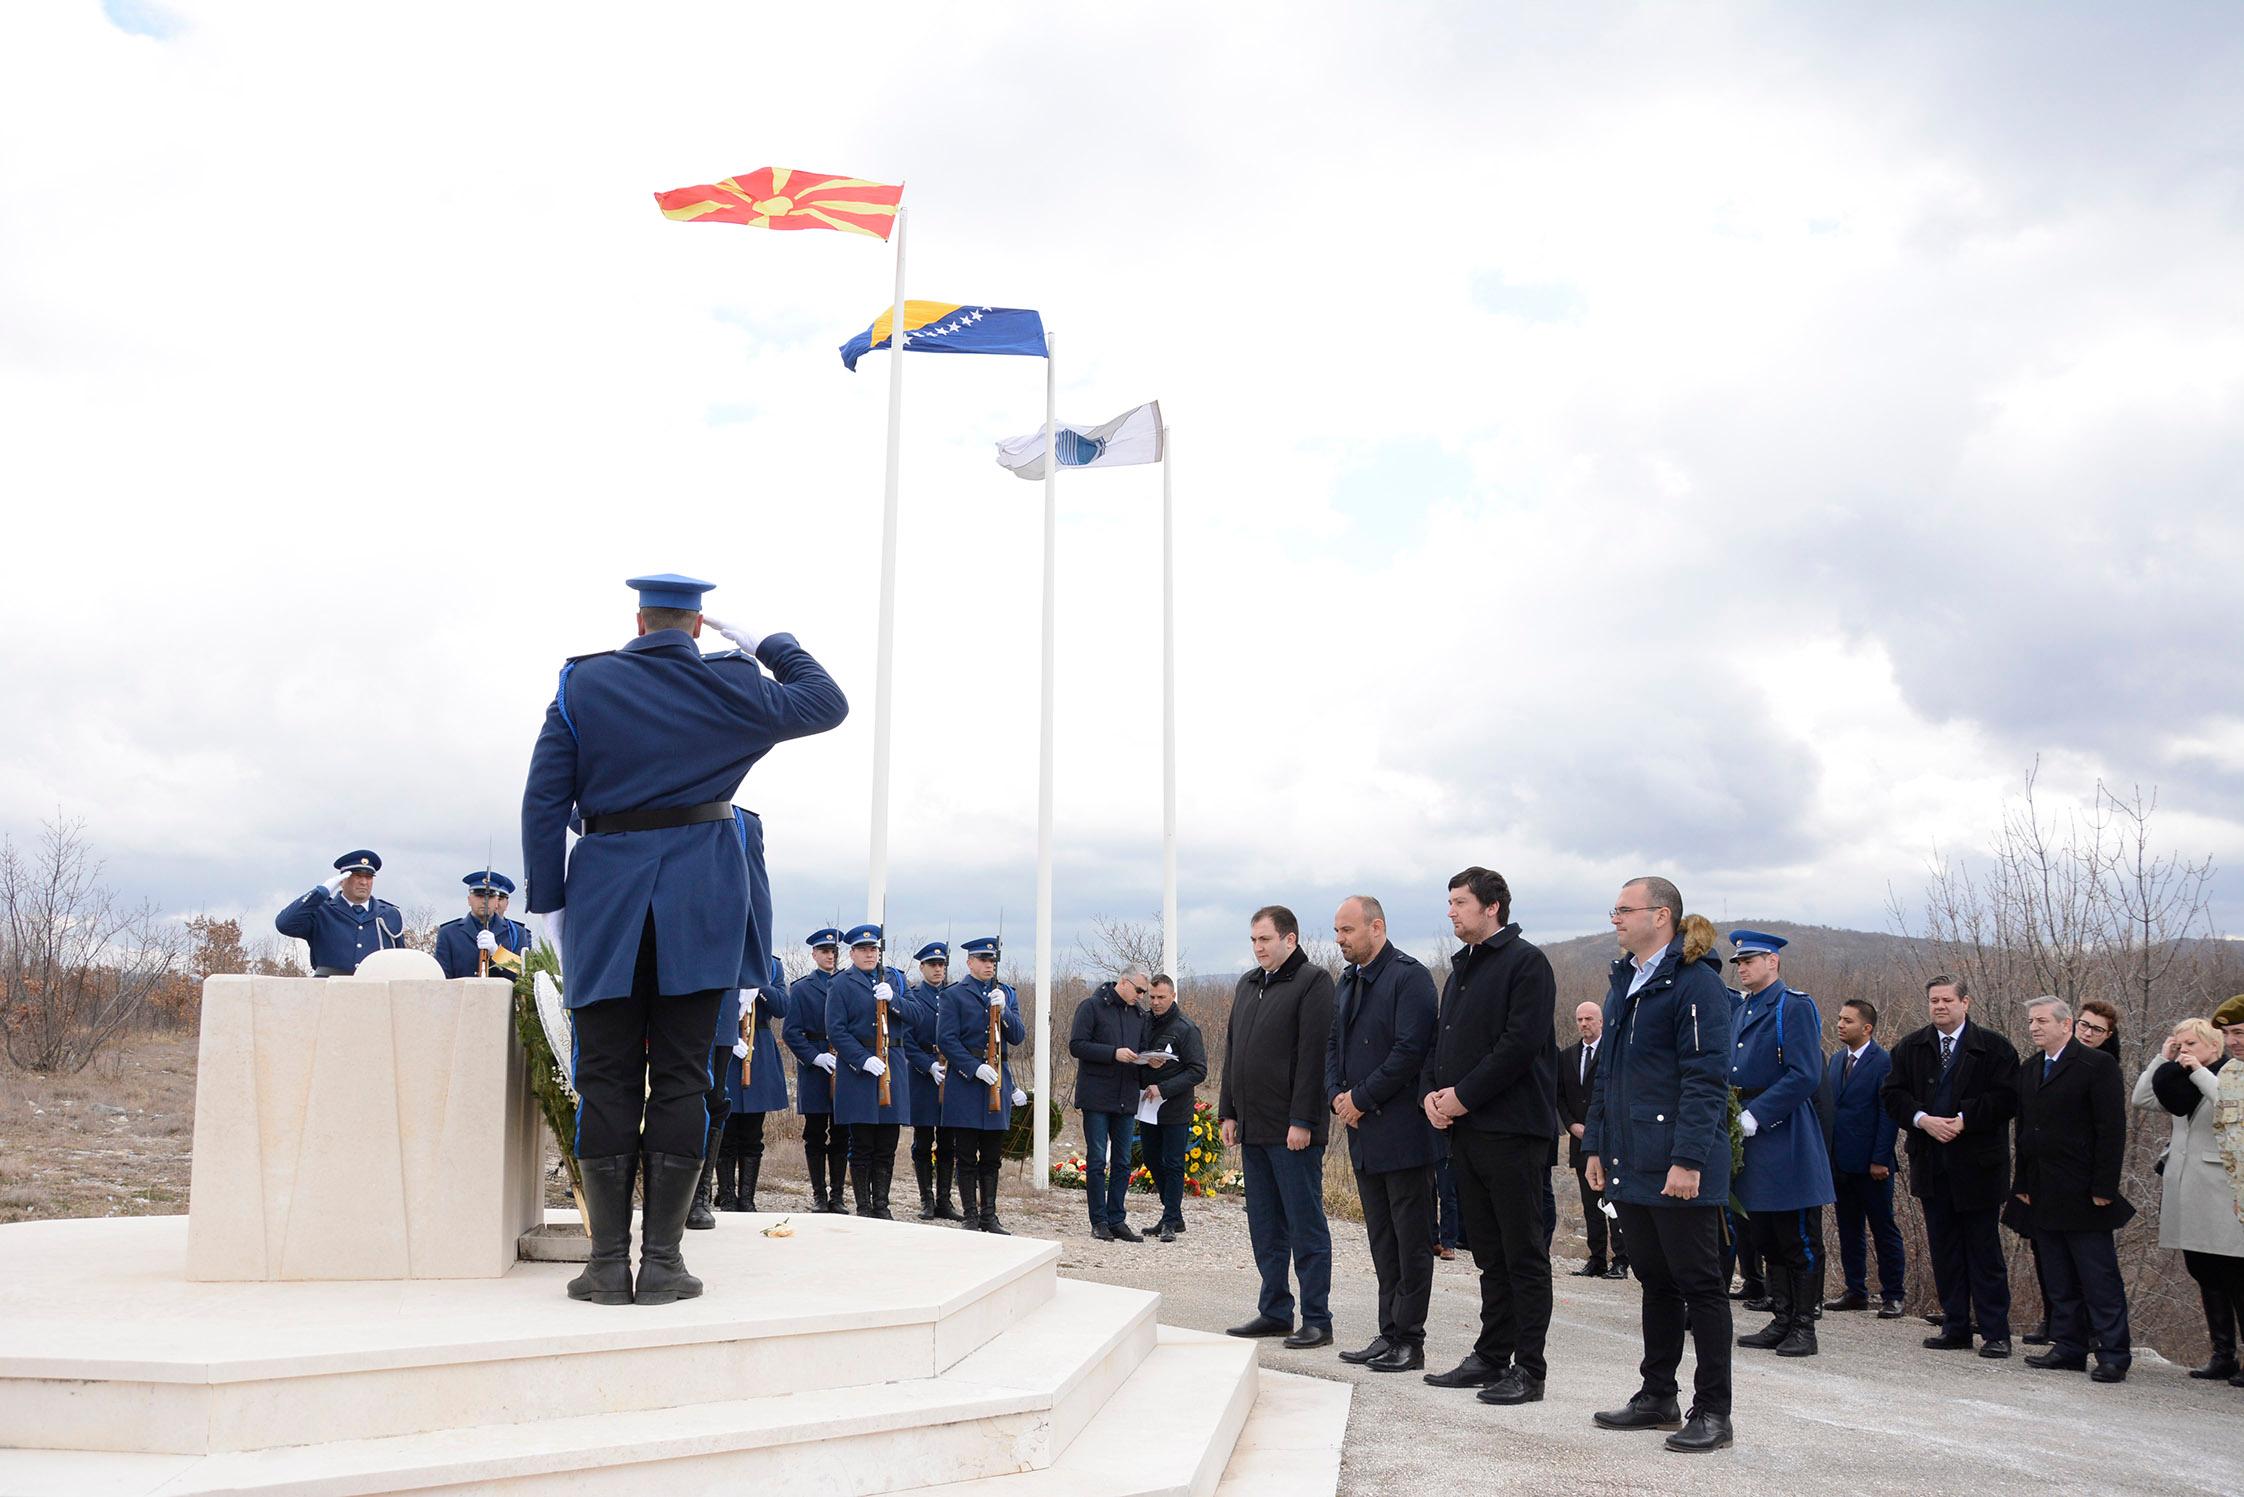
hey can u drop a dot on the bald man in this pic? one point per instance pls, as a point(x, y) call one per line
point(1577, 1077)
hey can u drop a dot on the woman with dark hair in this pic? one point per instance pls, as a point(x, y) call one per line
point(2098, 1027)
point(2197, 1206)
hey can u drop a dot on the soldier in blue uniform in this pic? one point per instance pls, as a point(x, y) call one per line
point(644, 747)
point(484, 927)
point(825, 1146)
point(341, 919)
point(974, 1132)
point(740, 1155)
point(1776, 1064)
point(852, 1028)
point(931, 1157)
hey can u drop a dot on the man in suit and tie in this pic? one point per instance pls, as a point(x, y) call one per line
point(1382, 1025)
point(1577, 1082)
point(1953, 1087)
point(2072, 1139)
point(1860, 1137)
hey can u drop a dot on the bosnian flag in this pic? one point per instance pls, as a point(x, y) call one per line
point(1132, 437)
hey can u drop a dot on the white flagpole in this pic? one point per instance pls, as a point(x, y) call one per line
point(876, 877)
point(1039, 1129)
point(1168, 720)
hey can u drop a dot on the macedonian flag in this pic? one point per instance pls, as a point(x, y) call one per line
point(777, 197)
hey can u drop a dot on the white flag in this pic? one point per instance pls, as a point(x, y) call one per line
point(1132, 437)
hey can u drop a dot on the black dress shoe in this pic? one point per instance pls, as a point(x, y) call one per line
point(1936, 1320)
point(2108, 1372)
point(1619, 1270)
point(1799, 1341)
point(1701, 1433)
point(1644, 1411)
point(1404, 1356)
point(1772, 1334)
point(1995, 1350)
point(2052, 1361)
point(1848, 1302)
point(1891, 1310)
point(1123, 1233)
point(1166, 1234)
point(2219, 1369)
point(1371, 1353)
point(1515, 1386)
point(1590, 1270)
point(2038, 1336)
point(2237, 1381)
point(1948, 1343)
point(1309, 1338)
point(1474, 1372)
point(1261, 1325)
point(1102, 1233)
point(1757, 1302)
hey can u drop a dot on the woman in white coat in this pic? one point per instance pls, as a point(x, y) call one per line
point(2197, 1207)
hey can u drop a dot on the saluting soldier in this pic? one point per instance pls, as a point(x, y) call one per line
point(1776, 1065)
point(852, 1028)
point(931, 1157)
point(825, 1145)
point(341, 919)
point(973, 1131)
point(484, 928)
point(740, 1156)
point(645, 746)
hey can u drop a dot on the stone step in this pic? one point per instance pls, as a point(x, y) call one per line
point(1291, 1444)
point(170, 1366)
point(1011, 1406)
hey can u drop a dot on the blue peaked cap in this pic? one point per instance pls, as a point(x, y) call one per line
point(486, 879)
point(361, 860)
point(1755, 943)
point(864, 935)
point(980, 946)
point(669, 590)
point(933, 951)
point(830, 936)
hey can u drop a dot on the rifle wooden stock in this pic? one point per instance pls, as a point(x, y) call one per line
point(748, 1027)
point(880, 1045)
point(990, 1059)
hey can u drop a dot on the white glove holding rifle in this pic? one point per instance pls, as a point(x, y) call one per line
point(485, 941)
point(986, 1074)
point(740, 1049)
point(824, 1062)
point(875, 1066)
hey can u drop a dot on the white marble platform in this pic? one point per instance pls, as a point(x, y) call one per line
point(855, 1357)
point(360, 1128)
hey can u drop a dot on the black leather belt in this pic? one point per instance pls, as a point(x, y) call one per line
point(657, 820)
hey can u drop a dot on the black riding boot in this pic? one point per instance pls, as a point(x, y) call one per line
point(672, 1180)
point(728, 1189)
point(2220, 1328)
point(884, 1174)
point(837, 1164)
point(943, 1171)
point(969, 1220)
point(925, 1170)
point(751, 1170)
point(698, 1215)
point(861, 1186)
point(606, 1279)
point(814, 1160)
point(990, 1223)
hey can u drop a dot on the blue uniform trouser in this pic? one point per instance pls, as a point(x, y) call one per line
point(642, 1069)
point(2087, 1297)
point(1968, 1267)
point(1863, 1200)
point(1286, 1224)
point(1789, 1258)
point(1164, 1145)
point(1106, 1164)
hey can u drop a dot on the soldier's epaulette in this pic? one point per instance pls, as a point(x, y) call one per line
point(728, 655)
point(595, 655)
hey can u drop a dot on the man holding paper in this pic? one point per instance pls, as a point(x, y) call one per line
point(1174, 1063)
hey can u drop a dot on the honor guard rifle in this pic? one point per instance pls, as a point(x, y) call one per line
point(990, 1054)
point(880, 1004)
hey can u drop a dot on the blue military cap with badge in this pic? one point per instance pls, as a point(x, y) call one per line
point(828, 936)
point(484, 881)
point(361, 861)
point(669, 590)
point(1755, 943)
point(864, 935)
point(980, 946)
point(933, 951)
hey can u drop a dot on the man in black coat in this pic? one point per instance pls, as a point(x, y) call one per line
point(1108, 1032)
point(1273, 1113)
point(2072, 1139)
point(1381, 1030)
point(1175, 1063)
point(1491, 1082)
point(1577, 1083)
point(1954, 1089)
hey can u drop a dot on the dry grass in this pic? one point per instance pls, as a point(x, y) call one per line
point(113, 1140)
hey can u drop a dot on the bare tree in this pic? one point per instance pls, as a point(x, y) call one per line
point(1117, 946)
point(76, 965)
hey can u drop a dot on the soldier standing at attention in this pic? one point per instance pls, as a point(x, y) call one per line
point(852, 1028)
point(646, 745)
point(974, 1130)
point(740, 1156)
point(483, 928)
point(341, 920)
point(825, 1147)
point(1776, 1065)
point(931, 1157)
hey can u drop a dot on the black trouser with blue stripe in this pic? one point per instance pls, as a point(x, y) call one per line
point(1790, 1260)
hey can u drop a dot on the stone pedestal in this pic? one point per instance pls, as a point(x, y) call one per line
point(360, 1129)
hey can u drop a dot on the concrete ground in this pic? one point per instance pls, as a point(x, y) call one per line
point(1875, 1412)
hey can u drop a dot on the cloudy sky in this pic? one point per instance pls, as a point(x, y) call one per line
point(1735, 441)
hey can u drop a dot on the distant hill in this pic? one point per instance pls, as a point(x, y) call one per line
point(1822, 960)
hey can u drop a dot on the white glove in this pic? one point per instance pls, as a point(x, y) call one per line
point(874, 1066)
point(884, 993)
point(553, 928)
point(740, 1049)
point(936, 1070)
point(748, 998)
point(735, 633)
point(1020, 1098)
point(824, 1063)
point(986, 1074)
point(1747, 1125)
point(997, 998)
point(485, 941)
point(333, 885)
